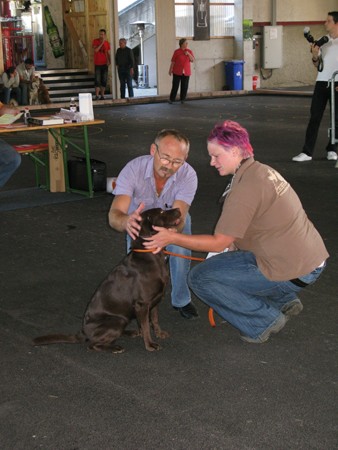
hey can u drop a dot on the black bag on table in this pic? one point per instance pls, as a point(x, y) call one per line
point(77, 174)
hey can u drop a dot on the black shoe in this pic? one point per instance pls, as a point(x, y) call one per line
point(170, 102)
point(102, 98)
point(188, 311)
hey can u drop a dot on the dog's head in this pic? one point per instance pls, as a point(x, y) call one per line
point(168, 218)
point(35, 84)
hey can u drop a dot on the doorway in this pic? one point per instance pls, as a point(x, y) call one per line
point(137, 25)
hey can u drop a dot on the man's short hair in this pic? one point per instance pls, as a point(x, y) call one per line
point(175, 134)
point(334, 14)
point(102, 31)
point(29, 61)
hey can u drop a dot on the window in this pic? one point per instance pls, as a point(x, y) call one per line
point(221, 18)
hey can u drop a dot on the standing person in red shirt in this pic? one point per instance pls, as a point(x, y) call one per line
point(180, 70)
point(101, 61)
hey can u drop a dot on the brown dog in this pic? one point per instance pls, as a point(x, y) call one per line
point(131, 291)
point(43, 94)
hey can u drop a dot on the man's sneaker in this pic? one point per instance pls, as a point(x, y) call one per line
point(302, 157)
point(274, 328)
point(292, 308)
point(332, 156)
point(188, 311)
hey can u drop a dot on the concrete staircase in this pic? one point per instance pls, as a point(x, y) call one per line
point(63, 84)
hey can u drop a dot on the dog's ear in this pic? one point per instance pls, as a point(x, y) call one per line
point(146, 225)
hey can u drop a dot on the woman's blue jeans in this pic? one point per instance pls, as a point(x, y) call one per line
point(10, 160)
point(179, 269)
point(7, 94)
point(232, 284)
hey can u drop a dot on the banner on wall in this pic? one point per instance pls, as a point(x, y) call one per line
point(201, 20)
point(53, 29)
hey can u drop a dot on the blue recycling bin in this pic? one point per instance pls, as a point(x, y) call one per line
point(234, 75)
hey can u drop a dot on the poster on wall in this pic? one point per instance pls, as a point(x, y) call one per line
point(201, 20)
point(53, 30)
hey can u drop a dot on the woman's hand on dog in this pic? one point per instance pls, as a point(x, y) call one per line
point(161, 239)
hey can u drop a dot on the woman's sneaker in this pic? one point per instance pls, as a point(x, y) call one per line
point(292, 308)
point(274, 328)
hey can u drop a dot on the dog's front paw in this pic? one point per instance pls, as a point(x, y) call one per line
point(152, 346)
point(162, 334)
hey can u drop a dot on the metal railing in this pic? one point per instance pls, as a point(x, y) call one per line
point(332, 129)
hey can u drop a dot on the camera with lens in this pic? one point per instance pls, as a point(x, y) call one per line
point(323, 40)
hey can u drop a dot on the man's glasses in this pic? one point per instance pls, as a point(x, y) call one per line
point(165, 161)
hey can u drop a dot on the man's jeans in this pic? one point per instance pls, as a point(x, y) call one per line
point(101, 76)
point(177, 79)
point(179, 269)
point(232, 284)
point(10, 160)
point(24, 93)
point(125, 79)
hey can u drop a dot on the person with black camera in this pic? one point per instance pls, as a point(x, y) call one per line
point(325, 59)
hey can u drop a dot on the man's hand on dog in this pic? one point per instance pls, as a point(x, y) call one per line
point(133, 222)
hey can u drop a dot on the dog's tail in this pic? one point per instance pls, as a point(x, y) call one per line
point(60, 339)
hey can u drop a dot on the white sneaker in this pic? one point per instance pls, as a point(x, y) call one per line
point(302, 157)
point(332, 156)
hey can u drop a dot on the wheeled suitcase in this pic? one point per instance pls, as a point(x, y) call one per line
point(78, 175)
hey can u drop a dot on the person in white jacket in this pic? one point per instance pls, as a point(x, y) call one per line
point(325, 59)
point(11, 81)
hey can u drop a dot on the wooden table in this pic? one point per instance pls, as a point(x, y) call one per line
point(59, 145)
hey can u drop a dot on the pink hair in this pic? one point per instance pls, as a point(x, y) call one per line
point(230, 134)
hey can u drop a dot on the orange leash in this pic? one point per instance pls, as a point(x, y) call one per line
point(192, 258)
point(148, 250)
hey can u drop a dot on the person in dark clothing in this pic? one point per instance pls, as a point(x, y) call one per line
point(124, 59)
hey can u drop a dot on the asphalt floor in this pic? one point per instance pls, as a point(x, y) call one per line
point(205, 389)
